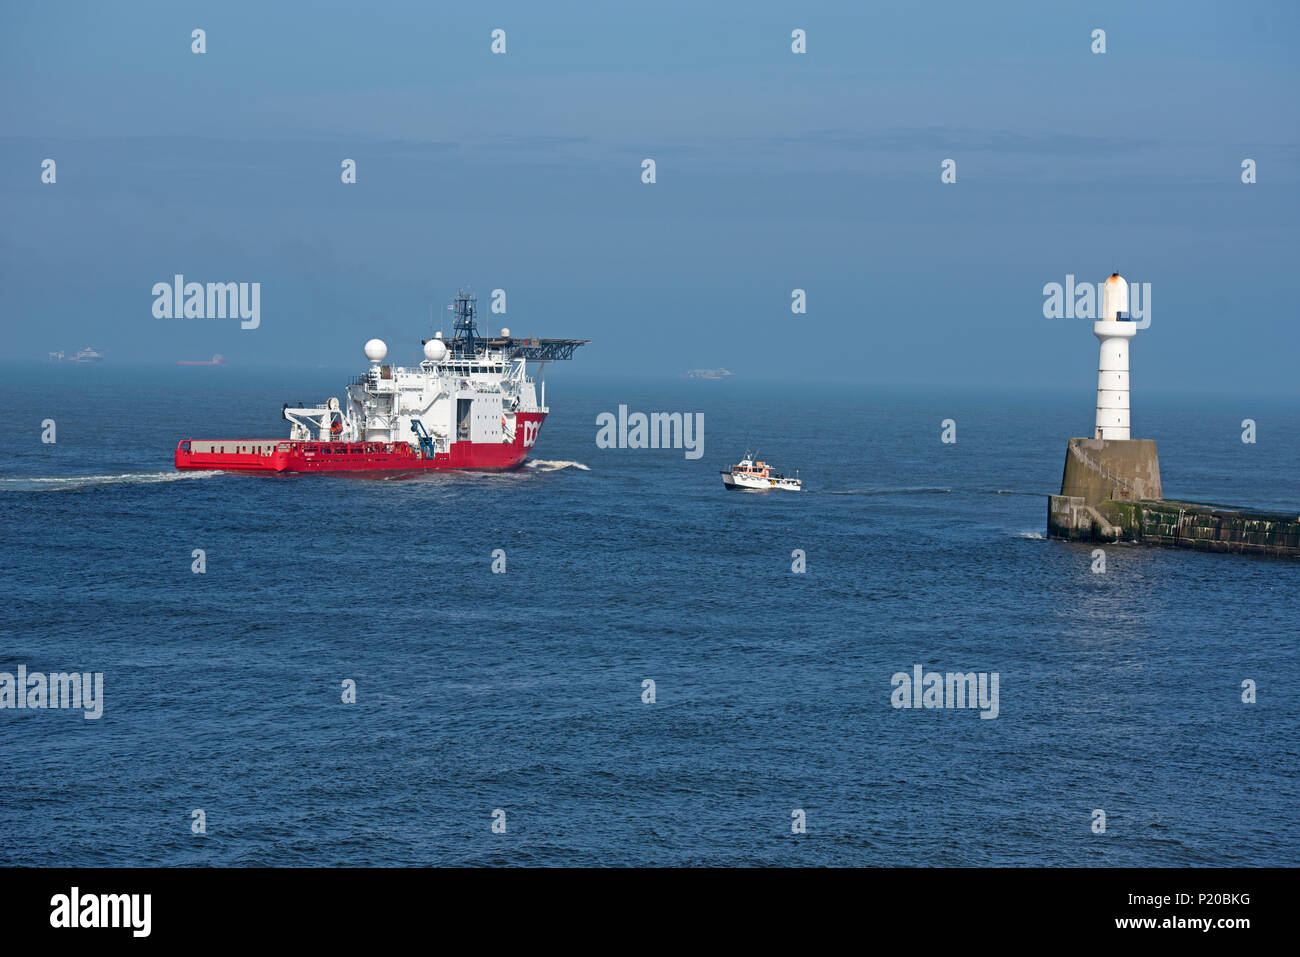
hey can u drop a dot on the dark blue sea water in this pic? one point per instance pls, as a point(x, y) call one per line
point(523, 691)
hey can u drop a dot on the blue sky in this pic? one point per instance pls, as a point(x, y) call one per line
point(775, 172)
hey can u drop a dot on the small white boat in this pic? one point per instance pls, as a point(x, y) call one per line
point(748, 474)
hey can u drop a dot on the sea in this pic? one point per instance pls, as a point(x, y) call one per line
point(605, 659)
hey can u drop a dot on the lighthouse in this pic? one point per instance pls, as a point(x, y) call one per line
point(1114, 329)
point(1110, 486)
point(1109, 468)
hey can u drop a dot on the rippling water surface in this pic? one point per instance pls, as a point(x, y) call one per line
point(523, 691)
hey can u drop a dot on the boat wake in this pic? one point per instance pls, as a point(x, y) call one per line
point(890, 491)
point(39, 483)
point(554, 465)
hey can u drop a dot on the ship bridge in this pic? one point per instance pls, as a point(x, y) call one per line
point(470, 388)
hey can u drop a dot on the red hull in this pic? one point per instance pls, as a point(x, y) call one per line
point(272, 455)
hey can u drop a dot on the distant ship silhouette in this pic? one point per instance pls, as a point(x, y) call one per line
point(216, 360)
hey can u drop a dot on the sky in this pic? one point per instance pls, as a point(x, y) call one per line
point(775, 171)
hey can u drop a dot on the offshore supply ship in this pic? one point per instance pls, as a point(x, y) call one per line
point(471, 404)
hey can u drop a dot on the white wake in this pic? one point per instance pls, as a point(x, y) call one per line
point(554, 465)
point(39, 483)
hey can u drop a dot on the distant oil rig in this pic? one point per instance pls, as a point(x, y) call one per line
point(1110, 488)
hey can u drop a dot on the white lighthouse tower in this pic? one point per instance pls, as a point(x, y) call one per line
point(1108, 469)
point(1114, 329)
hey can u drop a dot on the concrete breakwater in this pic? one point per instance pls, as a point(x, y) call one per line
point(1111, 492)
point(1174, 524)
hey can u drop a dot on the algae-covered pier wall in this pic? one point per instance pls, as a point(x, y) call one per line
point(1175, 524)
point(1111, 492)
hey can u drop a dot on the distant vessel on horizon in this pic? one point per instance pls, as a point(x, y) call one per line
point(708, 374)
point(217, 360)
point(88, 354)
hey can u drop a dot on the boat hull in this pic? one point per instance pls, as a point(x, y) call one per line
point(747, 483)
point(275, 455)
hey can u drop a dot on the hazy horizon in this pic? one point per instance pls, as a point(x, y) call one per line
point(775, 172)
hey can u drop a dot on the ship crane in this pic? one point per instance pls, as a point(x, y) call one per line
point(328, 422)
point(426, 443)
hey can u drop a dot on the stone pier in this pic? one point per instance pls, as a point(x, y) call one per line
point(1176, 525)
point(1111, 492)
point(1100, 470)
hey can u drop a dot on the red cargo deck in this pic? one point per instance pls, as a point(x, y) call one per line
point(274, 455)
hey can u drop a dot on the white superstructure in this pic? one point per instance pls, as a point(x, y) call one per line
point(753, 475)
point(471, 389)
point(473, 396)
point(1114, 329)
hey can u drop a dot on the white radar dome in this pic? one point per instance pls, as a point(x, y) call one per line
point(505, 333)
point(437, 335)
point(435, 350)
point(376, 350)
